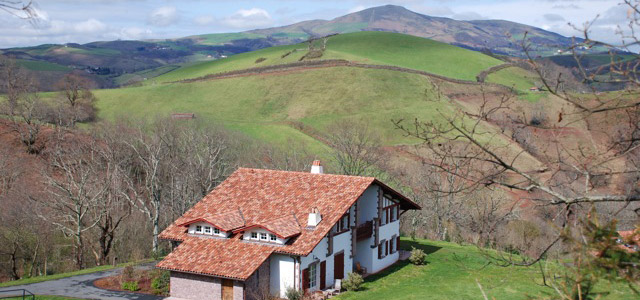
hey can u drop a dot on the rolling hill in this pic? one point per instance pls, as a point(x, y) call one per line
point(117, 63)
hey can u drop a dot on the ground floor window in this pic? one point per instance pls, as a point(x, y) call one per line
point(313, 271)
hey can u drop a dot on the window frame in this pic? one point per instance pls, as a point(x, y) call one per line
point(198, 229)
point(216, 230)
point(313, 274)
point(254, 237)
point(207, 230)
point(273, 237)
point(265, 235)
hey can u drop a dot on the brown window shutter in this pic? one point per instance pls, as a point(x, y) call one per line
point(386, 248)
point(388, 215)
point(380, 251)
point(397, 243)
point(305, 279)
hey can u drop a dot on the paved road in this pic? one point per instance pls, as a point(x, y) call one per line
point(81, 286)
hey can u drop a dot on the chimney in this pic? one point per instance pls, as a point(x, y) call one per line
point(316, 167)
point(314, 217)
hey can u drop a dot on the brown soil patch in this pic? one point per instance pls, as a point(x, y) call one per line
point(114, 283)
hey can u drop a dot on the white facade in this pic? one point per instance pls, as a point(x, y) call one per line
point(283, 274)
point(205, 228)
point(263, 236)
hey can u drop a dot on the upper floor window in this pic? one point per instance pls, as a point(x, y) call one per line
point(254, 235)
point(389, 212)
point(263, 236)
point(273, 238)
point(199, 229)
point(216, 230)
point(343, 223)
point(207, 229)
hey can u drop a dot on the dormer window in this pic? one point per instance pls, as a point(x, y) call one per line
point(254, 235)
point(199, 229)
point(273, 237)
point(263, 236)
point(207, 229)
point(216, 230)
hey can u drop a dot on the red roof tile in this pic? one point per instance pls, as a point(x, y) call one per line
point(231, 258)
point(226, 221)
point(270, 199)
point(284, 227)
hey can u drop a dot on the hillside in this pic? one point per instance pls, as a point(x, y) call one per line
point(117, 63)
point(364, 47)
point(496, 35)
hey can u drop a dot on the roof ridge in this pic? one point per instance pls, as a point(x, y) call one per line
point(305, 173)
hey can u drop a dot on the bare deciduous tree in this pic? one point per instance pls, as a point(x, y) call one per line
point(356, 148)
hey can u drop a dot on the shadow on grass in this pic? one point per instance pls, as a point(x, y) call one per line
point(409, 244)
point(404, 245)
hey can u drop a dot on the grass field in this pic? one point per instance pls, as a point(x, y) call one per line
point(454, 271)
point(42, 65)
point(68, 274)
point(365, 47)
point(260, 106)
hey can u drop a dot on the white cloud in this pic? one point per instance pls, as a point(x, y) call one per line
point(248, 18)
point(163, 16)
point(204, 20)
point(135, 33)
point(89, 26)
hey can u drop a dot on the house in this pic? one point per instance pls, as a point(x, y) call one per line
point(265, 231)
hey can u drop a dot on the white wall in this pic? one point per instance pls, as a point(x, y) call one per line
point(341, 243)
point(281, 274)
point(192, 230)
point(247, 237)
point(368, 204)
point(387, 231)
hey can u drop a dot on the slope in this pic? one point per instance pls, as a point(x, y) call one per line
point(364, 47)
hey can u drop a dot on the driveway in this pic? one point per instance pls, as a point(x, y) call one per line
point(81, 286)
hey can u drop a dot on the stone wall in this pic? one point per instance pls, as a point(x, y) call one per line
point(257, 286)
point(191, 286)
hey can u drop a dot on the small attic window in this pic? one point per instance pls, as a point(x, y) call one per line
point(272, 237)
point(199, 229)
point(263, 236)
point(216, 230)
point(207, 229)
point(254, 235)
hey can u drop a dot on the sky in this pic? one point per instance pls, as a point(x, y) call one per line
point(83, 21)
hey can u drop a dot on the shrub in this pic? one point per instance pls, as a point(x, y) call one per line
point(418, 257)
point(261, 59)
point(160, 283)
point(293, 294)
point(128, 273)
point(130, 286)
point(353, 282)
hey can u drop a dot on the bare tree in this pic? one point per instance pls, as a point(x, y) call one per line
point(77, 98)
point(357, 148)
point(77, 183)
point(22, 105)
point(21, 9)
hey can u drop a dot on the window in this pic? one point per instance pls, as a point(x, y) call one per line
point(198, 229)
point(272, 237)
point(382, 249)
point(207, 230)
point(216, 230)
point(312, 275)
point(343, 223)
point(263, 236)
point(254, 235)
point(389, 212)
point(392, 245)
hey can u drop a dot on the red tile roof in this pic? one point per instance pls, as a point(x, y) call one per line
point(226, 221)
point(284, 227)
point(231, 258)
point(271, 199)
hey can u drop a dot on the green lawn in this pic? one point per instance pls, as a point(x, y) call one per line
point(453, 272)
point(68, 274)
point(366, 47)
